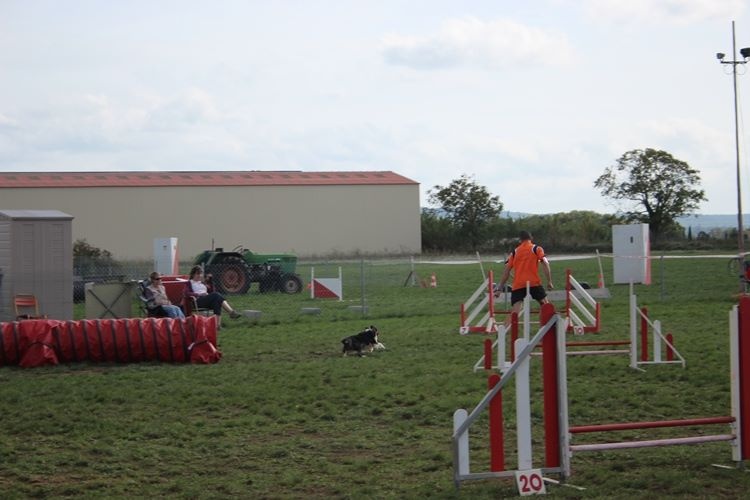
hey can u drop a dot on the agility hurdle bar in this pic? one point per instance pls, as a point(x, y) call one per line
point(471, 309)
point(573, 304)
point(558, 432)
point(485, 362)
point(584, 312)
point(739, 420)
point(326, 288)
point(552, 337)
point(487, 322)
point(658, 338)
point(583, 348)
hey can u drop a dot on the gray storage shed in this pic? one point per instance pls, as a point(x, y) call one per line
point(36, 256)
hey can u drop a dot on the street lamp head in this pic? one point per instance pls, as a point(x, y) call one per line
point(745, 52)
point(719, 56)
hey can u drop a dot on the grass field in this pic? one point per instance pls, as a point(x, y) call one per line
point(284, 415)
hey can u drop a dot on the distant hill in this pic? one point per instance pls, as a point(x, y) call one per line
point(696, 222)
point(708, 222)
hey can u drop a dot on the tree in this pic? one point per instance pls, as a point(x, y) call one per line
point(88, 259)
point(438, 233)
point(660, 187)
point(468, 206)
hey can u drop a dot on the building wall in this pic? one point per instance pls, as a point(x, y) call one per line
point(5, 261)
point(318, 220)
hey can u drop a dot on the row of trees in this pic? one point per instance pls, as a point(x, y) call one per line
point(648, 186)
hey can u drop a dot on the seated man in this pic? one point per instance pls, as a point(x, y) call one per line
point(156, 293)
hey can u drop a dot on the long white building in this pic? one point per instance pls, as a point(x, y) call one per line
point(305, 213)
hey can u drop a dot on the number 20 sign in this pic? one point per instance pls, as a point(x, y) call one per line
point(530, 482)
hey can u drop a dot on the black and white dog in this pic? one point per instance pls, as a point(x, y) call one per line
point(366, 340)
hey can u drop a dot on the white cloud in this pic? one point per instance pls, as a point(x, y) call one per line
point(193, 107)
point(660, 11)
point(480, 44)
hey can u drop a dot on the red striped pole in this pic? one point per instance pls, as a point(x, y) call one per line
point(488, 355)
point(744, 341)
point(567, 298)
point(670, 350)
point(597, 343)
point(551, 402)
point(644, 334)
point(598, 317)
point(497, 452)
point(686, 422)
point(513, 335)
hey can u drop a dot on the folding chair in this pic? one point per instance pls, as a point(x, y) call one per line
point(190, 303)
point(27, 307)
point(146, 299)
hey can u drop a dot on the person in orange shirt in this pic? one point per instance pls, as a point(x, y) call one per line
point(524, 261)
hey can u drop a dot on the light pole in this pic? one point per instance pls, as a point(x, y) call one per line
point(740, 225)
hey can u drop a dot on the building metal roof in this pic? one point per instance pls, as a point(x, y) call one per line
point(197, 178)
point(33, 214)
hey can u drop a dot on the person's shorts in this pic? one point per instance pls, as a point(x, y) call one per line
point(537, 293)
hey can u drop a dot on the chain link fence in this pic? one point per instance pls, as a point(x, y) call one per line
point(276, 293)
point(340, 289)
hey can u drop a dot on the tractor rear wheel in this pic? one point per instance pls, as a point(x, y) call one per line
point(230, 276)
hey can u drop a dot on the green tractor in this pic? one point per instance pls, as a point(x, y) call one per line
point(234, 272)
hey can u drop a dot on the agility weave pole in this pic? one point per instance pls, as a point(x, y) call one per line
point(557, 429)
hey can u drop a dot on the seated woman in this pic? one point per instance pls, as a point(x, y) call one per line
point(209, 300)
point(158, 295)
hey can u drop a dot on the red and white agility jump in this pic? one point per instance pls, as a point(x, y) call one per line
point(580, 307)
point(558, 433)
point(645, 346)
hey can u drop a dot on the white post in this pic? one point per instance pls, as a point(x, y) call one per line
point(481, 267)
point(459, 417)
point(413, 274)
point(312, 282)
point(657, 341)
point(341, 284)
point(562, 395)
point(523, 410)
point(501, 332)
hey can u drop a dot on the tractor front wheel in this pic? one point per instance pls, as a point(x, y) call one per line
point(291, 284)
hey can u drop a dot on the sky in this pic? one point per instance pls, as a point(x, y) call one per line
point(533, 100)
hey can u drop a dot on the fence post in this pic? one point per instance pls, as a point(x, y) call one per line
point(361, 286)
